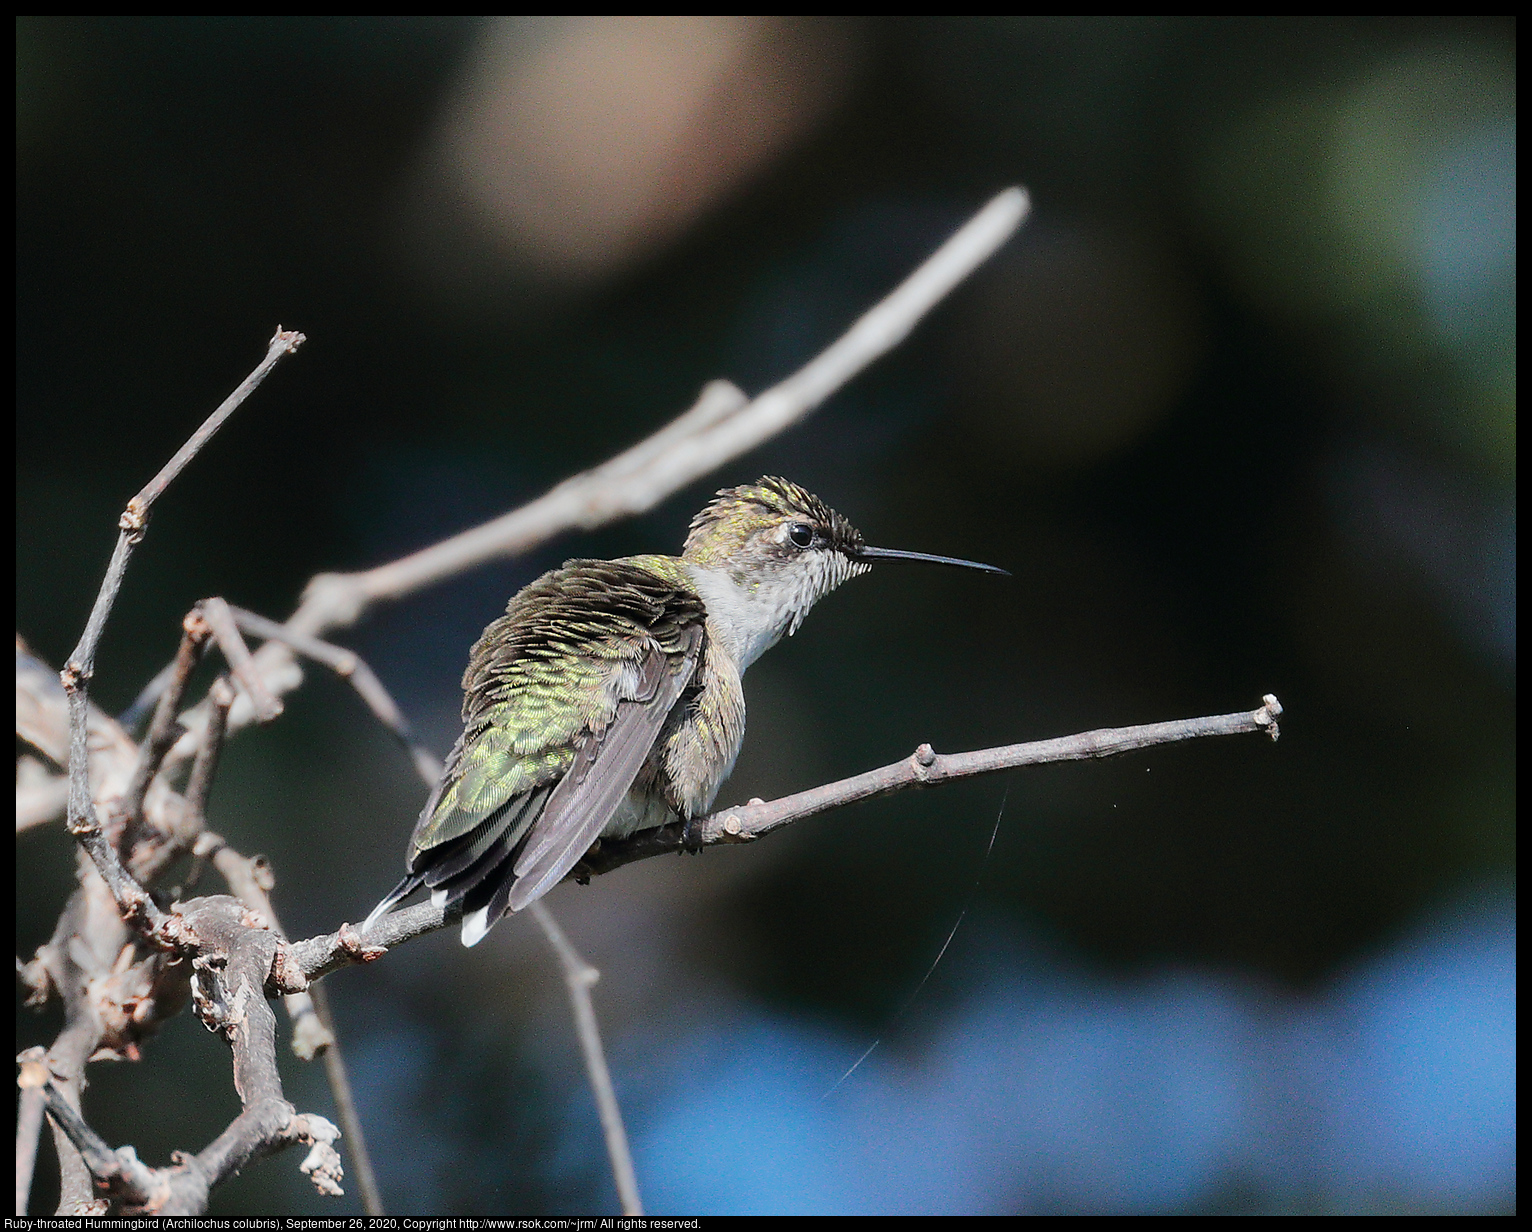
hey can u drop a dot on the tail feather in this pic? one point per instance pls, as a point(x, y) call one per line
point(401, 891)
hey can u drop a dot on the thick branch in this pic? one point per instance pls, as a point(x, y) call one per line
point(231, 967)
point(230, 997)
point(251, 880)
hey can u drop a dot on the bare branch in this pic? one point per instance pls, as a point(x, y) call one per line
point(221, 621)
point(313, 1029)
point(923, 768)
point(82, 1030)
point(349, 666)
point(42, 721)
point(163, 729)
point(200, 784)
point(283, 342)
point(133, 901)
point(83, 823)
point(319, 956)
point(235, 956)
point(719, 428)
point(75, 968)
point(135, 517)
point(579, 977)
point(29, 1124)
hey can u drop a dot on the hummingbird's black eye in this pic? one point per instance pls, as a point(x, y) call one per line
point(801, 534)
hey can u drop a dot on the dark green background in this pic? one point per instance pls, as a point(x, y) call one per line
point(183, 186)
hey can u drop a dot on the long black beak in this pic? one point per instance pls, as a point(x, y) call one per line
point(895, 554)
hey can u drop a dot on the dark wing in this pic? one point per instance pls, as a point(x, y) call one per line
point(584, 801)
point(588, 658)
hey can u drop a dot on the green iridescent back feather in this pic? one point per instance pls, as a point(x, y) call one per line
point(547, 676)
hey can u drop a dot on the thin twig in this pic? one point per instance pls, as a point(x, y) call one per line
point(350, 667)
point(319, 956)
point(283, 342)
point(133, 901)
point(226, 631)
point(924, 768)
point(163, 729)
point(151, 858)
point(42, 721)
point(135, 517)
point(200, 784)
point(579, 976)
point(345, 1109)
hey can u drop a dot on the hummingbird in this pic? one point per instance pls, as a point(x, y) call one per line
point(607, 699)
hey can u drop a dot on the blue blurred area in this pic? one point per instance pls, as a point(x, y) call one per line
point(1051, 1089)
point(1037, 1085)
